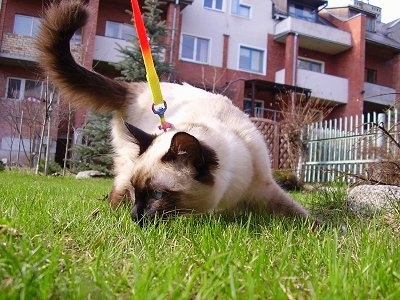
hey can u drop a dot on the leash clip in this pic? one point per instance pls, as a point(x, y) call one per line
point(160, 111)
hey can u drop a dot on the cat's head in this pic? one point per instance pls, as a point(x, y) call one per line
point(174, 174)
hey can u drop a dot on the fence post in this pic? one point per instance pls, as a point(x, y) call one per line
point(380, 139)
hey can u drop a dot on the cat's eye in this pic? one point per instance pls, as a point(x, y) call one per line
point(157, 195)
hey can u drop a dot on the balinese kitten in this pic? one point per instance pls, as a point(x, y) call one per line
point(213, 159)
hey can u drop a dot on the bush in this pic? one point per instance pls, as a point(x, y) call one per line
point(95, 153)
point(2, 166)
point(52, 166)
point(287, 180)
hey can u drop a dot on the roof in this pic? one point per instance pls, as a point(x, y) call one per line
point(382, 39)
point(383, 32)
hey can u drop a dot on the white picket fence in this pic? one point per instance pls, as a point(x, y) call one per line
point(347, 145)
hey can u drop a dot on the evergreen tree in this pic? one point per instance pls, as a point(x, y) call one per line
point(132, 66)
point(95, 151)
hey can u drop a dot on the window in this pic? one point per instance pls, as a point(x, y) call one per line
point(370, 75)
point(194, 48)
point(370, 23)
point(302, 12)
point(251, 59)
point(19, 89)
point(26, 25)
point(120, 30)
point(27, 89)
point(213, 4)
point(77, 37)
point(258, 107)
point(310, 65)
point(240, 9)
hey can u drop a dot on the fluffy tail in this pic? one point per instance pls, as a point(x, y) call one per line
point(76, 83)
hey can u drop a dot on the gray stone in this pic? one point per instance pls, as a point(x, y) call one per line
point(370, 199)
point(89, 174)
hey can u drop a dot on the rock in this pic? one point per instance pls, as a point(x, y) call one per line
point(309, 187)
point(89, 174)
point(370, 199)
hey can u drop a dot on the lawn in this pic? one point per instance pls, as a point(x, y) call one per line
point(60, 240)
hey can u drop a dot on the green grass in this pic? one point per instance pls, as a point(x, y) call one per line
point(53, 246)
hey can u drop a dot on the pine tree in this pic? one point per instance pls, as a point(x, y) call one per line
point(95, 151)
point(132, 66)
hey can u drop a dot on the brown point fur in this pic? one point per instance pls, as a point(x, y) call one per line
point(76, 83)
point(119, 197)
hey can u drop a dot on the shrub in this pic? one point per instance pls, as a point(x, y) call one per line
point(95, 151)
point(385, 170)
point(52, 167)
point(287, 180)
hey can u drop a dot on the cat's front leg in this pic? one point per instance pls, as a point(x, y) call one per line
point(120, 194)
point(122, 190)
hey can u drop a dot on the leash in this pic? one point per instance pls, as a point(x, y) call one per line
point(159, 105)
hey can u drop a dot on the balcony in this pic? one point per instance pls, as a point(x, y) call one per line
point(313, 36)
point(106, 48)
point(21, 50)
point(322, 86)
point(18, 47)
point(379, 94)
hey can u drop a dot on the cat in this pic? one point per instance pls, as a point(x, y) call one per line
point(213, 159)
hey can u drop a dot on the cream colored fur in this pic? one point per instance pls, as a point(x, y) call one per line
point(238, 177)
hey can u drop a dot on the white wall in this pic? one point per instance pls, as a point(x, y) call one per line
point(213, 24)
point(106, 48)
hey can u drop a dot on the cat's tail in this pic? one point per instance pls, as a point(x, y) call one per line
point(75, 83)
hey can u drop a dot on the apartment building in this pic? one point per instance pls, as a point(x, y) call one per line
point(373, 64)
point(23, 89)
point(257, 52)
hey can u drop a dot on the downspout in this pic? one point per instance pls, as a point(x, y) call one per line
point(253, 99)
point(3, 7)
point(294, 62)
point(171, 52)
point(294, 69)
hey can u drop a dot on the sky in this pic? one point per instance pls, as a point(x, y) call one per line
point(390, 9)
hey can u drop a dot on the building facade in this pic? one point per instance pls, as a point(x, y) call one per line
point(259, 53)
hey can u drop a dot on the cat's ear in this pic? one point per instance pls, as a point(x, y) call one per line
point(141, 138)
point(186, 149)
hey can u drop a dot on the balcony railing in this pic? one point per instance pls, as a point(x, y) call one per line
point(318, 37)
point(379, 94)
point(322, 86)
point(265, 113)
point(18, 47)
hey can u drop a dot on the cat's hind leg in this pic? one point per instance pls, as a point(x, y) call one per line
point(272, 198)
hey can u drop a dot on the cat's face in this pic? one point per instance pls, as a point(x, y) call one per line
point(174, 174)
